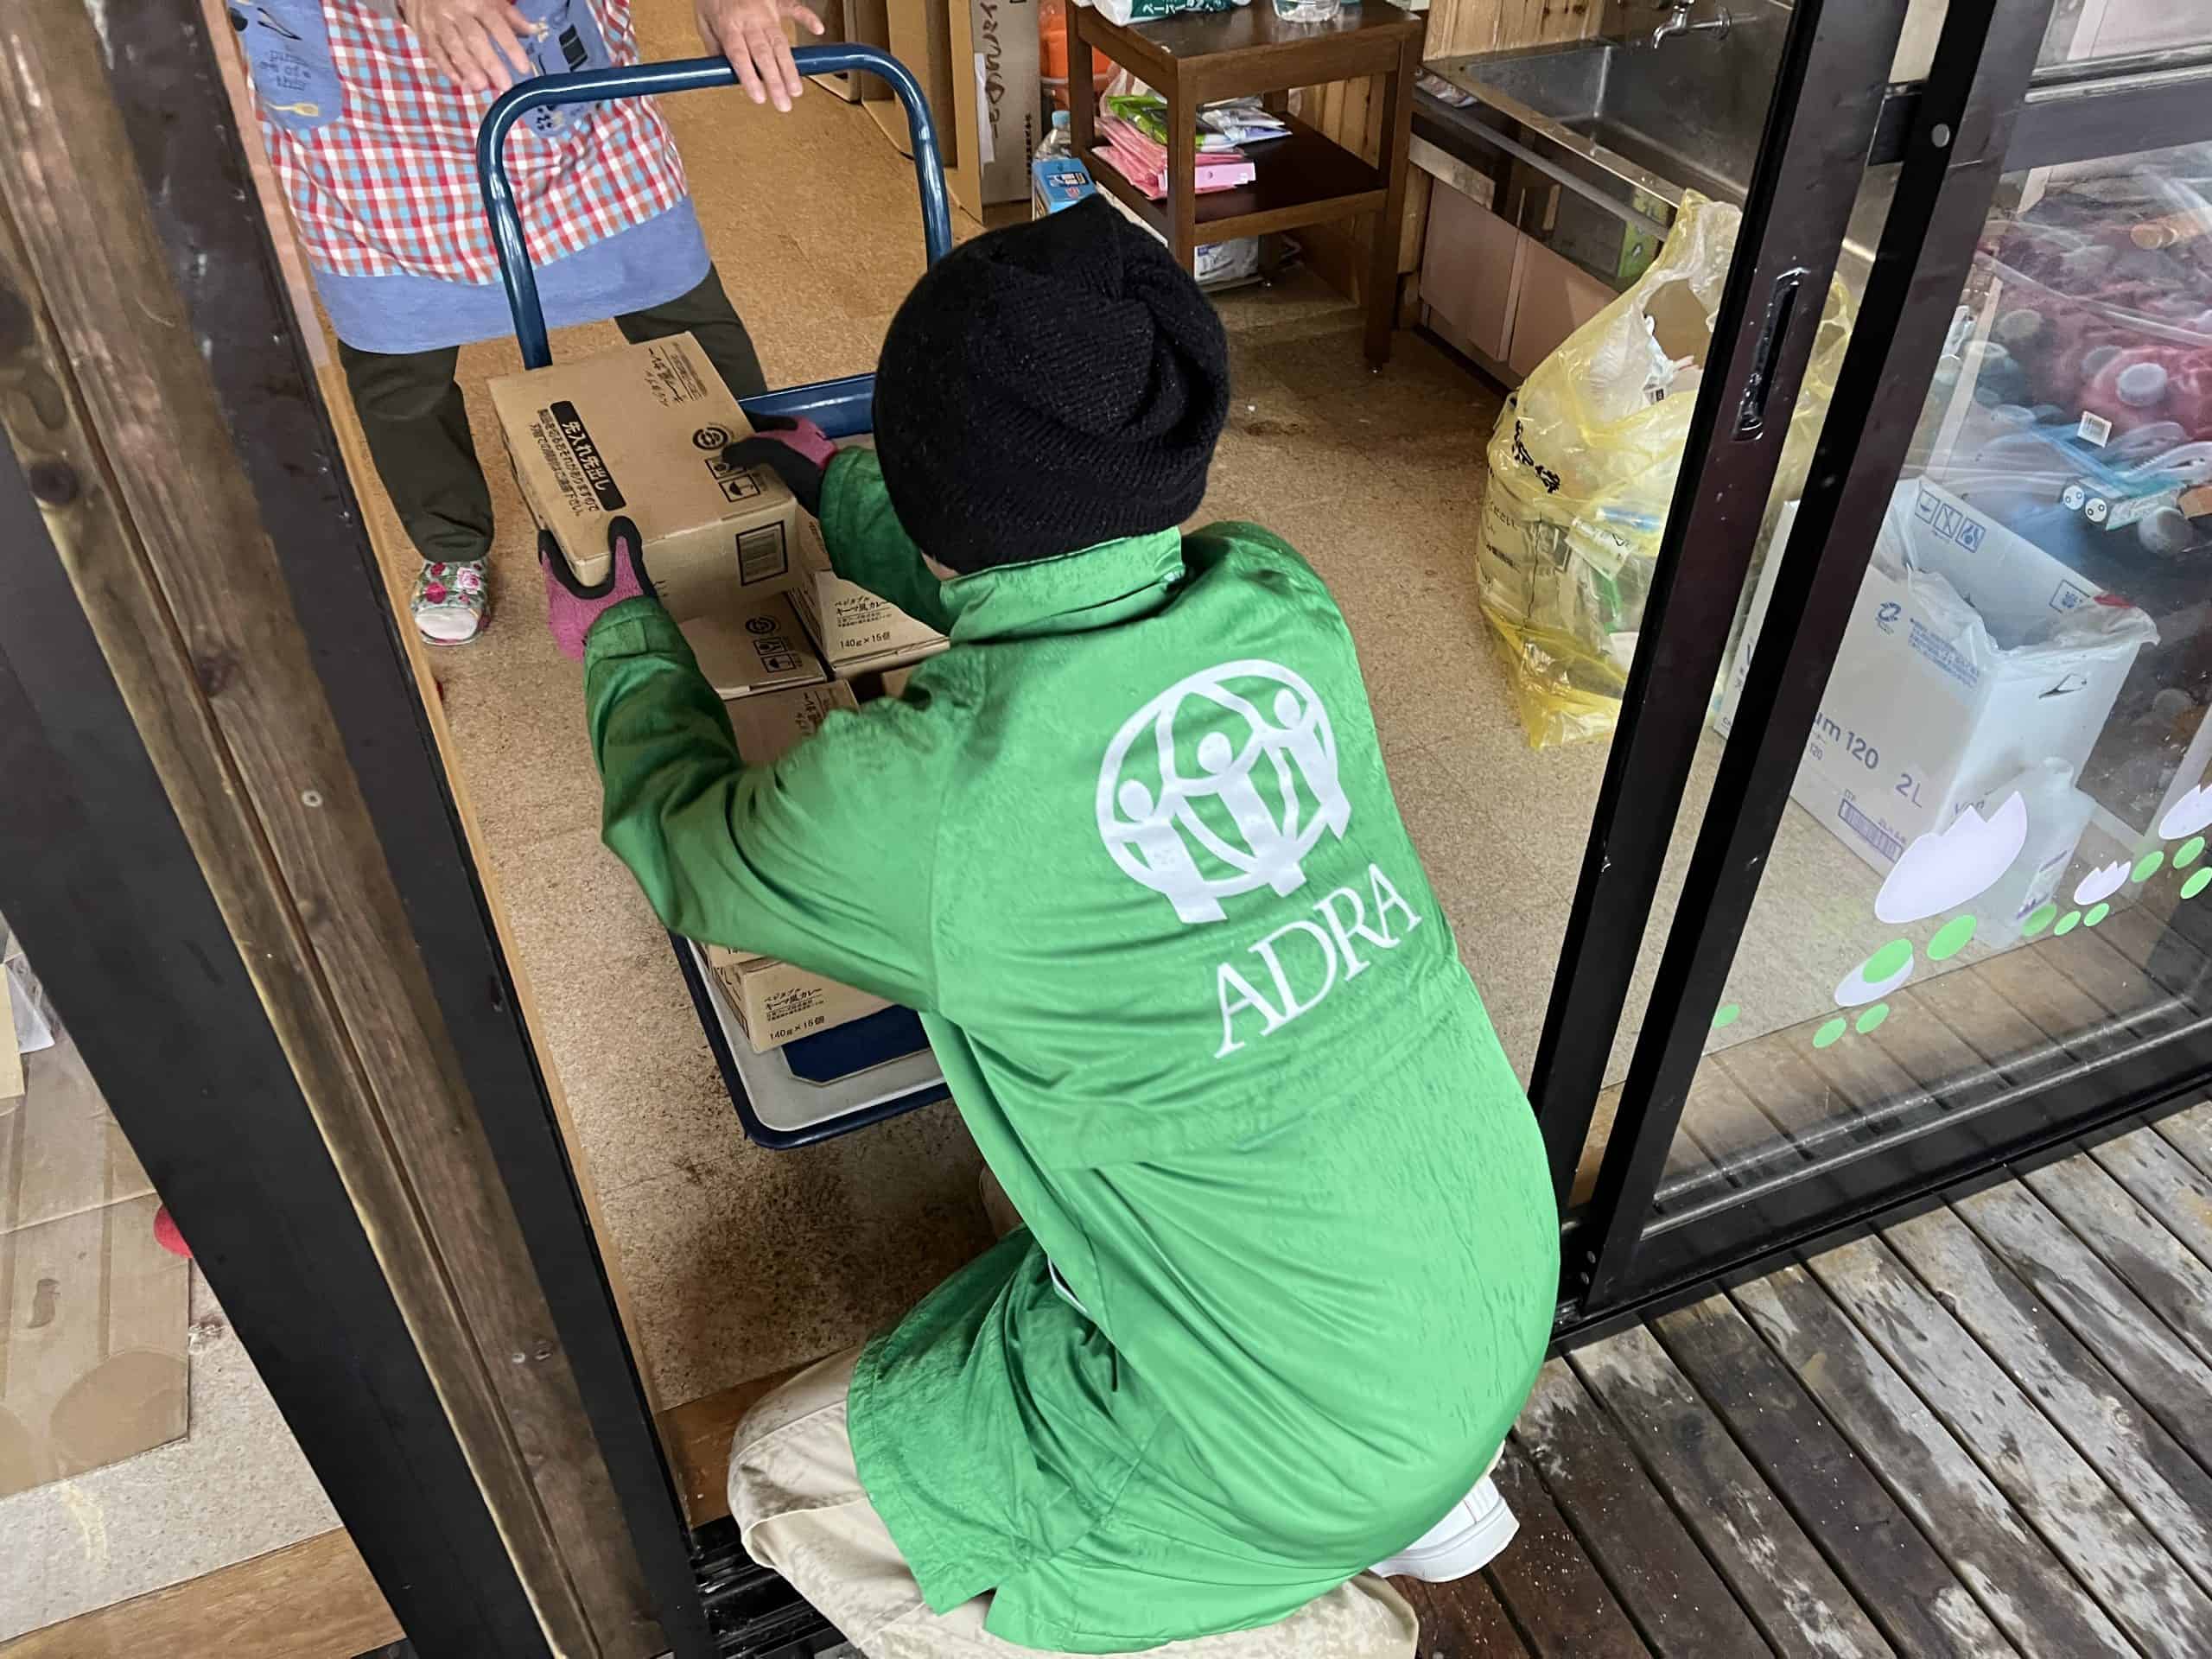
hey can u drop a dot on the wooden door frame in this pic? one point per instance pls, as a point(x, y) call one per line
point(246, 878)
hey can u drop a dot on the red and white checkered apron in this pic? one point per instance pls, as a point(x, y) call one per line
point(390, 186)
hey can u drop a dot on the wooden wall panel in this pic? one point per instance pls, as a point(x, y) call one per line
point(1351, 113)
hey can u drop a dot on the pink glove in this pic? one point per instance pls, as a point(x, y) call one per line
point(571, 606)
point(798, 452)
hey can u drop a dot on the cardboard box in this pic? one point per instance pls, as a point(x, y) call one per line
point(773, 1001)
point(859, 632)
point(841, 22)
point(639, 431)
point(1970, 655)
point(754, 648)
point(977, 63)
point(93, 1356)
point(767, 724)
point(918, 35)
point(998, 98)
point(776, 1002)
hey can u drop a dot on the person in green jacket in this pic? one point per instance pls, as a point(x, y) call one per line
point(1290, 1254)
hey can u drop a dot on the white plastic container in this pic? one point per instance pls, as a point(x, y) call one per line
point(1971, 656)
point(2059, 814)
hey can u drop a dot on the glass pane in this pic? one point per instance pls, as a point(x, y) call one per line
point(138, 1447)
point(2083, 29)
point(1841, 309)
point(1987, 868)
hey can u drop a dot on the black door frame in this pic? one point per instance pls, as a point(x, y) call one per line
point(123, 931)
point(1796, 210)
point(98, 878)
point(1983, 111)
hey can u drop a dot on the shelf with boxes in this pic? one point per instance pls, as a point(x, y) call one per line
point(785, 643)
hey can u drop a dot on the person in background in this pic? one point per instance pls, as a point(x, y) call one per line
point(369, 110)
point(1288, 1254)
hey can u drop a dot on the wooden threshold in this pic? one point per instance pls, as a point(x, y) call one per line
point(309, 1600)
point(697, 1435)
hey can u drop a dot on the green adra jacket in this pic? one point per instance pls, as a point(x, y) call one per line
point(1129, 849)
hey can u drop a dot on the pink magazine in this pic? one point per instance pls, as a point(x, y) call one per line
point(1143, 162)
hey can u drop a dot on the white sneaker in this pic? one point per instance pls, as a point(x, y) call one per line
point(1465, 1542)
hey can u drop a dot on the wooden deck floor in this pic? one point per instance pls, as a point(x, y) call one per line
point(1987, 1431)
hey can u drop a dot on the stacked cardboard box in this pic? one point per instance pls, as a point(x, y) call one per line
point(859, 632)
point(639, 432)
point(1972, 658)
point(756, 648)
point(977, 61)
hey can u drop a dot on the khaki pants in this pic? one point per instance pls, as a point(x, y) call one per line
point(801, 1509)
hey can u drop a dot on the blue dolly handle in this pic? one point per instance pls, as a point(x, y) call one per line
point(841, 408)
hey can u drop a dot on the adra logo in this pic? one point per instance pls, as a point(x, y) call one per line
point(1301, 962)
point(1220, 786)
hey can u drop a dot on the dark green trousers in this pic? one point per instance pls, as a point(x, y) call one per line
point(417, 428)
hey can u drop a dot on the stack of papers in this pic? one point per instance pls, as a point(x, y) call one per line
point(1239, 121)
point(1143, 161)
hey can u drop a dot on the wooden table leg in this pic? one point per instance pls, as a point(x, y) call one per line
point(1382, 245)
point(1183, 171)
point(1083, 103)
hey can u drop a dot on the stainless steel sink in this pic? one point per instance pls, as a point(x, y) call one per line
point(1685, 113)
point(1623, 126)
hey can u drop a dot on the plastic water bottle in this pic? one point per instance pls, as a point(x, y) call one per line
point(1059, 138)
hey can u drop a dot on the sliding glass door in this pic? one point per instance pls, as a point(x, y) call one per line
point(1937, 897)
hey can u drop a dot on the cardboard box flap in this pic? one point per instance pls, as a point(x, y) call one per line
point(1996, 594)
point(857, 630)
point(752, 648)
point(720, 957)
point(61, 1153)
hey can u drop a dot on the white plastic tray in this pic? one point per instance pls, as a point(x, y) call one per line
point(791, 1105)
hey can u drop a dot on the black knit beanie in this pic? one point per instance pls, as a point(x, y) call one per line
point(1048, 387)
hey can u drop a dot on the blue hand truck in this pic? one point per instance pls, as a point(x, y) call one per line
point(855, 1074)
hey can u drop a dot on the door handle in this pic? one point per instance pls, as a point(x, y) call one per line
point(1781, 307)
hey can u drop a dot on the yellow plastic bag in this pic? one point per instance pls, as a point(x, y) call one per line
point(1582, 469)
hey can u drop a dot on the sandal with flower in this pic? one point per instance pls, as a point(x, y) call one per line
point(452, 601)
